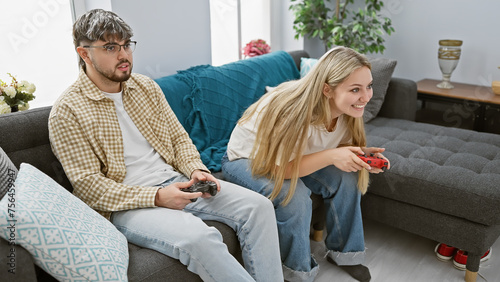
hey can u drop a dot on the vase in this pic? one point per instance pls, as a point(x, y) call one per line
point(14, 108)
point(495, 86)
point(448, 55)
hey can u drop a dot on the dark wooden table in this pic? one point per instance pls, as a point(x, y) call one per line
point(466, 105)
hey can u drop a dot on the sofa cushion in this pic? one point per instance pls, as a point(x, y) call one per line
point(8, 173)
point(27, 141)
point(208, 100)
point(149, 265)
point(382, 69)
point(449, 170)
point(66, 238)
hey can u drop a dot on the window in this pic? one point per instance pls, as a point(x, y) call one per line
point(38, 47)
point(234, 23)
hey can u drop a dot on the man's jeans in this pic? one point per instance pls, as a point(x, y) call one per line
point(345, 239)
point(183, 235)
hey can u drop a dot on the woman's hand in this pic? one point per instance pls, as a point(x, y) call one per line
point(377, 152)
point(346, 159)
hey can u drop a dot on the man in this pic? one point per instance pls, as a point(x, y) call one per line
point(129, 158)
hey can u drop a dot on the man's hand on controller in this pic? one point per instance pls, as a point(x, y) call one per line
point(172, 197)
point(199, 175)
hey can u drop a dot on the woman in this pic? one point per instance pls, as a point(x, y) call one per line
point(305, 136)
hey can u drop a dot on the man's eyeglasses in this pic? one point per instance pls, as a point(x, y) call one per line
point(114, 48)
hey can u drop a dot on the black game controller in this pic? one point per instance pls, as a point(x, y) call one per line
point(204, 187)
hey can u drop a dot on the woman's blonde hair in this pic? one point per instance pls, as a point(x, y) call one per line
point(294, 106)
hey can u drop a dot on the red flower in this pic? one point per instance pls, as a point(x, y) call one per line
point(256, 48)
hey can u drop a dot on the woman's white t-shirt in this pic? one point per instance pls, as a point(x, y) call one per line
point(243, 136)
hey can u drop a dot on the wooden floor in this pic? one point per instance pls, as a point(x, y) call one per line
point(393, 255)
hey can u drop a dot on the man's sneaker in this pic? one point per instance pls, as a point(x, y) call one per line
point(444, 252)
point(460, 258)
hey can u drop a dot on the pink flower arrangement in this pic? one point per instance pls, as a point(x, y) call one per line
point(256, 48)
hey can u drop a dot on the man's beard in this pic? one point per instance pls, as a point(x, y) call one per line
point(110, 75)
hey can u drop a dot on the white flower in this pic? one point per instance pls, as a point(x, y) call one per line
point(31, 88)
point(21, 85)
point(23, 107)
point(25, 86)
point(4, 108)
point(10, 91)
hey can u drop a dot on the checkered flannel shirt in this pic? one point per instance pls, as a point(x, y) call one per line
point(86, 138)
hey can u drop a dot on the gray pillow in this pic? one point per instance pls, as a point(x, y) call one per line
point(382, 69)
point(8, 173)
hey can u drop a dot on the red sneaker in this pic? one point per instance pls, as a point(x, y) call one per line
point(444, 252)
point(460, 259)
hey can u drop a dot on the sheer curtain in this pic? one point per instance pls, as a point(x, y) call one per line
point(37, 46)
point(234, 23)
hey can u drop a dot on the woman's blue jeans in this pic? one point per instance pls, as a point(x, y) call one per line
point(345, 238)
point(183, 235)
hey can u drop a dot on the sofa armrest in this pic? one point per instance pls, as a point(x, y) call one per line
point(296, 55)
point(400, 100)
point(16, 264)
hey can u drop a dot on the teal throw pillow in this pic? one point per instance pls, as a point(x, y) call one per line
point(66, 238)
point(306, 64)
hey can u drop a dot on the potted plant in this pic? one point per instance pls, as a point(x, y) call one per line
point(360, 29)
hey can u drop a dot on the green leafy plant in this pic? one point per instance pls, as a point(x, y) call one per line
point(361, 29)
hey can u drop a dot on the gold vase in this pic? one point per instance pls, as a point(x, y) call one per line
point(448, 55)
point(495, 86)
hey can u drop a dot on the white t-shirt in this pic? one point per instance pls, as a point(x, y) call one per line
point(243, 137)
point(145, 167)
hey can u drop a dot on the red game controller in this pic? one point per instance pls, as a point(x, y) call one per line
point(375, 161)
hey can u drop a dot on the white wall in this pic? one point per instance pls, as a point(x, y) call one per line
point(37, 46)
point(174, 35)
point(282, 33)
point(171, 35)
point(421, 24)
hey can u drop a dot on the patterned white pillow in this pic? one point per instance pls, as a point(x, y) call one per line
point(306, 64)
point(66, 238)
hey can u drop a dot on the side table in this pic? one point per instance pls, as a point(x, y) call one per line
point(466, 106)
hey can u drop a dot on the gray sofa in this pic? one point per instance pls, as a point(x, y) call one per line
point(443, 184)
point(31, 145)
